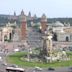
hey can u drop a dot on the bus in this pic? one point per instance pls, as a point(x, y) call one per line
point(13, 69)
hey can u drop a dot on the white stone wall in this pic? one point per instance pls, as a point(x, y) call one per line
point(62, 36)
point(71, 37)
point(58, 29)
point(0, 35)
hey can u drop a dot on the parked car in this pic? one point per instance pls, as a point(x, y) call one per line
point(38, 69)
point(52, 69)
point(13, 65)
point(4, 64)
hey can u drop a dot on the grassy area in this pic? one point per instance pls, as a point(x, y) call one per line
point(15, 59)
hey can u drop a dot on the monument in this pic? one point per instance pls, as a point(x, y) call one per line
point(49, 53)
point(47, 45)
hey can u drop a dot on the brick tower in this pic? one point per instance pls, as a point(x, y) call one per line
point(43, 23)
point(23, 26)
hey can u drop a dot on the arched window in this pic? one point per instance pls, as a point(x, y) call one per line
point(55, 37)
point(67, 38)
point(5, 38)
point(10, 36)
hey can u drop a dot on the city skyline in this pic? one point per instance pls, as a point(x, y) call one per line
point(52, 8)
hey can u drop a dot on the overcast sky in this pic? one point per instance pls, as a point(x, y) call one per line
point(52, 8)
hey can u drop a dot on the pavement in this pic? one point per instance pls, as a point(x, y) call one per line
point(61, 69)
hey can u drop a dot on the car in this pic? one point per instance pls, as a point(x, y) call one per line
point(52, 69)
point(13, 69)
point(38, 68)
point(0, 58)
point(70, 68)
point(13, 65)
point(16, 50)
point(4, 64)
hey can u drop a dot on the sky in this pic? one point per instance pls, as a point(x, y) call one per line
point(52, 8)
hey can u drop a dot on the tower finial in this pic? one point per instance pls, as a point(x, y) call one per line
point(22, 12)
point(14, 13)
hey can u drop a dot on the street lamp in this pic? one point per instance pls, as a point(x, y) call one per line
point(29, 50)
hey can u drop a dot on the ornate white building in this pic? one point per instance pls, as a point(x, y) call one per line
point(62, 31)
point(6, 32)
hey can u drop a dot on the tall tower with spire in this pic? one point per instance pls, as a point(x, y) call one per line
point(43, 23)
point(35, 16)
point(29, 16)
point(14, 13)
point(23, 22)
point(15, 17)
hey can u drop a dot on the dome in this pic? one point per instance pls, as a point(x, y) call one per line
point(58, 24)
point(43, 18)
point(22, 12)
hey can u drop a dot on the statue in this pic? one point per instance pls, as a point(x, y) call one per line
point(47, 46)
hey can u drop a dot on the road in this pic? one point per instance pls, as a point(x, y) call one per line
point(61, 69)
